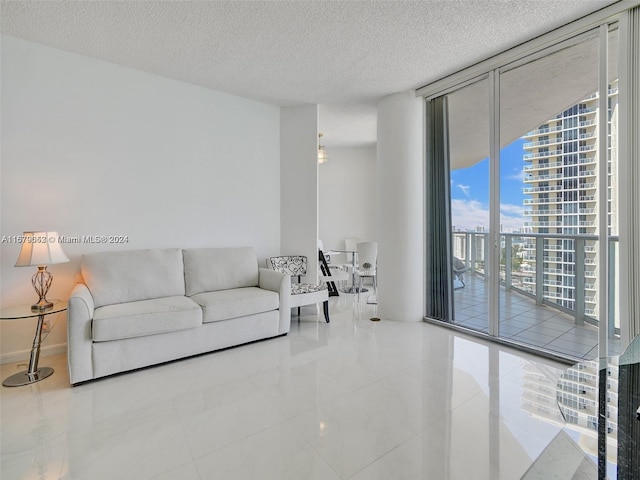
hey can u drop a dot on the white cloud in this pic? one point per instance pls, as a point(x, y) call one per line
point(509, 208)
point(465, 189)
point(520, 175)
point(469, 214)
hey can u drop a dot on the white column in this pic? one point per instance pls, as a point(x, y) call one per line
point(400, 207)
point(299, 184)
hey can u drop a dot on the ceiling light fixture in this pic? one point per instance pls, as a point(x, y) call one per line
point(322, 153)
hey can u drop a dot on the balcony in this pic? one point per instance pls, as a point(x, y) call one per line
point(536, 201)
point(532, 307)
point(584, 161)
point(530, 213)
point(542, 224)
point(538, 178)
point(552, 153)
point(542, 189)
point(542, 143)
point(542, 131)
point(540, 166)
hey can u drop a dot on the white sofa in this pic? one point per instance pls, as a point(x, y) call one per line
point(143, 307)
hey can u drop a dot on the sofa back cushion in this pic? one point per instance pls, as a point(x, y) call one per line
point(133, 275)
point(214, 269)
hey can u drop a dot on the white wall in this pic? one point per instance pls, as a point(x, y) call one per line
point(401, 274)
point(348, 197)
point(90, 148)
point(299, 180)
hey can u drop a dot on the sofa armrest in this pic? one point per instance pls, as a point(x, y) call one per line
point(79, 343)
point(280, 283)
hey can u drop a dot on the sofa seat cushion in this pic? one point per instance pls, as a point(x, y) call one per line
point(146, 317)
point(236, 302)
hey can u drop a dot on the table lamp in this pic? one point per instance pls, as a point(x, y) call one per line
point(41, 249)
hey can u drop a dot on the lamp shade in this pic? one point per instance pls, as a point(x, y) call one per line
point(40, 248)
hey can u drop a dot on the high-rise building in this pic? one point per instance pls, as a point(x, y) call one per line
point(561, 184)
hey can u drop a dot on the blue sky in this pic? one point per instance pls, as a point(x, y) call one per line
point(470, 191)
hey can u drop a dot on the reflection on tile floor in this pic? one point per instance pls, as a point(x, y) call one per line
point(523, 321)
point(352, 399)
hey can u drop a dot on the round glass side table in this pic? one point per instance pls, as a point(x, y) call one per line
point(34, 373)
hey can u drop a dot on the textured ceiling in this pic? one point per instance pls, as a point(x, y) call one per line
point(344, 56)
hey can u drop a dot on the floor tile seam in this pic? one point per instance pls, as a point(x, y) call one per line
point(583, 331)
point(565, 341)
point(482, 391)
point(312, 448)
point(577, 334)
point(65, 456)
point(316, 407)
point(107, 421)
point(579, 356)
point(563, 350)
point(62, 436)
point(195, 458)
point(539, 325)
point(237, 441)
point(192, 462)
point(575, 342)
point(413, 437)
point(375, 382)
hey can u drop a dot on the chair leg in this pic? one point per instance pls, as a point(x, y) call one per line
point(325, 307)
point(298, 313)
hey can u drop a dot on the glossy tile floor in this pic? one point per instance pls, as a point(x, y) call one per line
point(525, 322)
point(353, 399)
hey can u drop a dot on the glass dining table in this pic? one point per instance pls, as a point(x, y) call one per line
point(354, 257)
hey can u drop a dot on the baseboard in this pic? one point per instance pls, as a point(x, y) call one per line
point(23, 355)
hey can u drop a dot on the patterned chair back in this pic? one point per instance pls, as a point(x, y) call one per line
point(292, 265)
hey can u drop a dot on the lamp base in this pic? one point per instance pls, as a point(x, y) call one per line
point(26, 378)
point(41, 282)
point(42, 305)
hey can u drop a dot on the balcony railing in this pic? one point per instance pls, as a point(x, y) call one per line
point(541, 131)
point(552, 176)
point(536, 201)
point(587, 160)
point(551, 153)
point(525, 273)
point(542, 189)
point(528, 213)
point(540, 166)
point(543, 224)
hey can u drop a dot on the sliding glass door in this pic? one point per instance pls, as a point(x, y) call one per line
point(532, 163)
point(468, 114)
